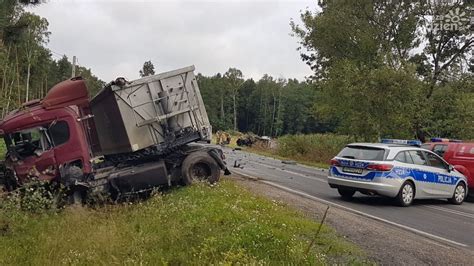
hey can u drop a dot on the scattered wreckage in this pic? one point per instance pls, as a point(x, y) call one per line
point(132, 136)
point(250, 139)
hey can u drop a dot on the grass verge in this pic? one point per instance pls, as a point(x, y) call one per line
point(274, 155)
point(312, 149)
point(3, 149)
point(199, 224)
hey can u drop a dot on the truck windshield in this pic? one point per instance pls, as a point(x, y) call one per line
point(362, 153)
point(30, 141)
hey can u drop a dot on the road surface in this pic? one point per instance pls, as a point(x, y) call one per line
point(435, 219)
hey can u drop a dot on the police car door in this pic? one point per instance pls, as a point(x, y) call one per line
point(423, 175)
point(443, 181)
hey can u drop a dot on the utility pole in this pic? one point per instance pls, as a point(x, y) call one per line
point(73, 67)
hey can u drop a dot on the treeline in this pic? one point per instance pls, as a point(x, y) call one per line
point(27, 68)
point(397, 69)
point(268, 106)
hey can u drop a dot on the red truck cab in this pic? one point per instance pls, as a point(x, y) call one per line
point(457, 153)
point(41, 136)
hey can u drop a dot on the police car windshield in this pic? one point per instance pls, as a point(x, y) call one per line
point(362, 153)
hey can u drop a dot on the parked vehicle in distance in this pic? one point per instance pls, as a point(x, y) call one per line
point(459, 154)
point(397, 170)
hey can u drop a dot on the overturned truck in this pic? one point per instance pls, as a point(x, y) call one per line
point(132, 136)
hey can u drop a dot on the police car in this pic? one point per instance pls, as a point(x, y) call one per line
point(397, 169)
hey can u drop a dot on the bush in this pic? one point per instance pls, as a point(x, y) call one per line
point(317, 148)
point(34, 197)
point(3, 150)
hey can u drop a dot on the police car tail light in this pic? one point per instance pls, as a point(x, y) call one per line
point(380, 167)
point(335, 162)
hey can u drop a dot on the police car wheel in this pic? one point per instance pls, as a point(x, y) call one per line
point(459, 194)
point(346, 193)
point(406, 194)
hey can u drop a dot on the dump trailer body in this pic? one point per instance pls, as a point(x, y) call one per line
point(162, 111)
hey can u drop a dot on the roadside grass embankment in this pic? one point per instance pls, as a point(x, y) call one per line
point(311, 149)
point(3, 149)
point(200, 224)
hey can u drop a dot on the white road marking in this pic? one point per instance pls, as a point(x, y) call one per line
point(461, 213)
point(300, 193)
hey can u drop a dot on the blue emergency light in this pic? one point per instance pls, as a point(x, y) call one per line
point(444, 140)
point(412, 142)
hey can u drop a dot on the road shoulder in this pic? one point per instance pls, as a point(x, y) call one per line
point(385, 244)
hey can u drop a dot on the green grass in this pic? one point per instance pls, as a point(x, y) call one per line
point(272, 154)
point(311, 149)
point(200, 224)
point(3, 149)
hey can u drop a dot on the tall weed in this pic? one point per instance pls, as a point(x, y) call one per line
point(318, 148)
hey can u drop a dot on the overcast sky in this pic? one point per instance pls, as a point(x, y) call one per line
point(115, 37)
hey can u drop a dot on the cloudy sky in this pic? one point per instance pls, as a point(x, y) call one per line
point(115, 37)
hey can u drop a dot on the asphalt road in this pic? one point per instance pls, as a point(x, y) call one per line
point(435, 219)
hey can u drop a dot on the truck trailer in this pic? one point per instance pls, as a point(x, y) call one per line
point(132, 136)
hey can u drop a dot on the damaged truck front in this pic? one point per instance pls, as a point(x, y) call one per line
point(132, 136)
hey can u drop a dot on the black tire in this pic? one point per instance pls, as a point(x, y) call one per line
point(406, 195)
point(459, 194)
point(200, 166)
point(77, 197)
point(71, 175)
point(346, 193)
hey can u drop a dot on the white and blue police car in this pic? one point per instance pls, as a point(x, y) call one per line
point(397, 169)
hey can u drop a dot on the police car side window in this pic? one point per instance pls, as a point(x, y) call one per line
point(435, 161)
point(401, 157)
point(409, 159)
point(418, 157)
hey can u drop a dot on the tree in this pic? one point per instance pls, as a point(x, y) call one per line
point(35, 35)
point(234, 80)
point(359, 39)
point(148, 69)
point(27, 69)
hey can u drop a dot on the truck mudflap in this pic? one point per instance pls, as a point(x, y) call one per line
point(139, 178)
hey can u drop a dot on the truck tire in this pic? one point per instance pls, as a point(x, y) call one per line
point(71, 175)
point(200, 166)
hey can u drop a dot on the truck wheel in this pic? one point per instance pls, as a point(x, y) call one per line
point(71, 175)
point(406, 195)
point(76, 198)
point(459, 194)
point(345, 193)
point(200, 166)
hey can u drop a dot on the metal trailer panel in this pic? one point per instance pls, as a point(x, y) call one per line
point(159, 110)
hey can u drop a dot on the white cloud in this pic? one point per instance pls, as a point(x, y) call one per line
point(114, 38)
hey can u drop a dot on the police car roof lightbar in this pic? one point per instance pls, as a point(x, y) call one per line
point(444, 140)
point(413, 142)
